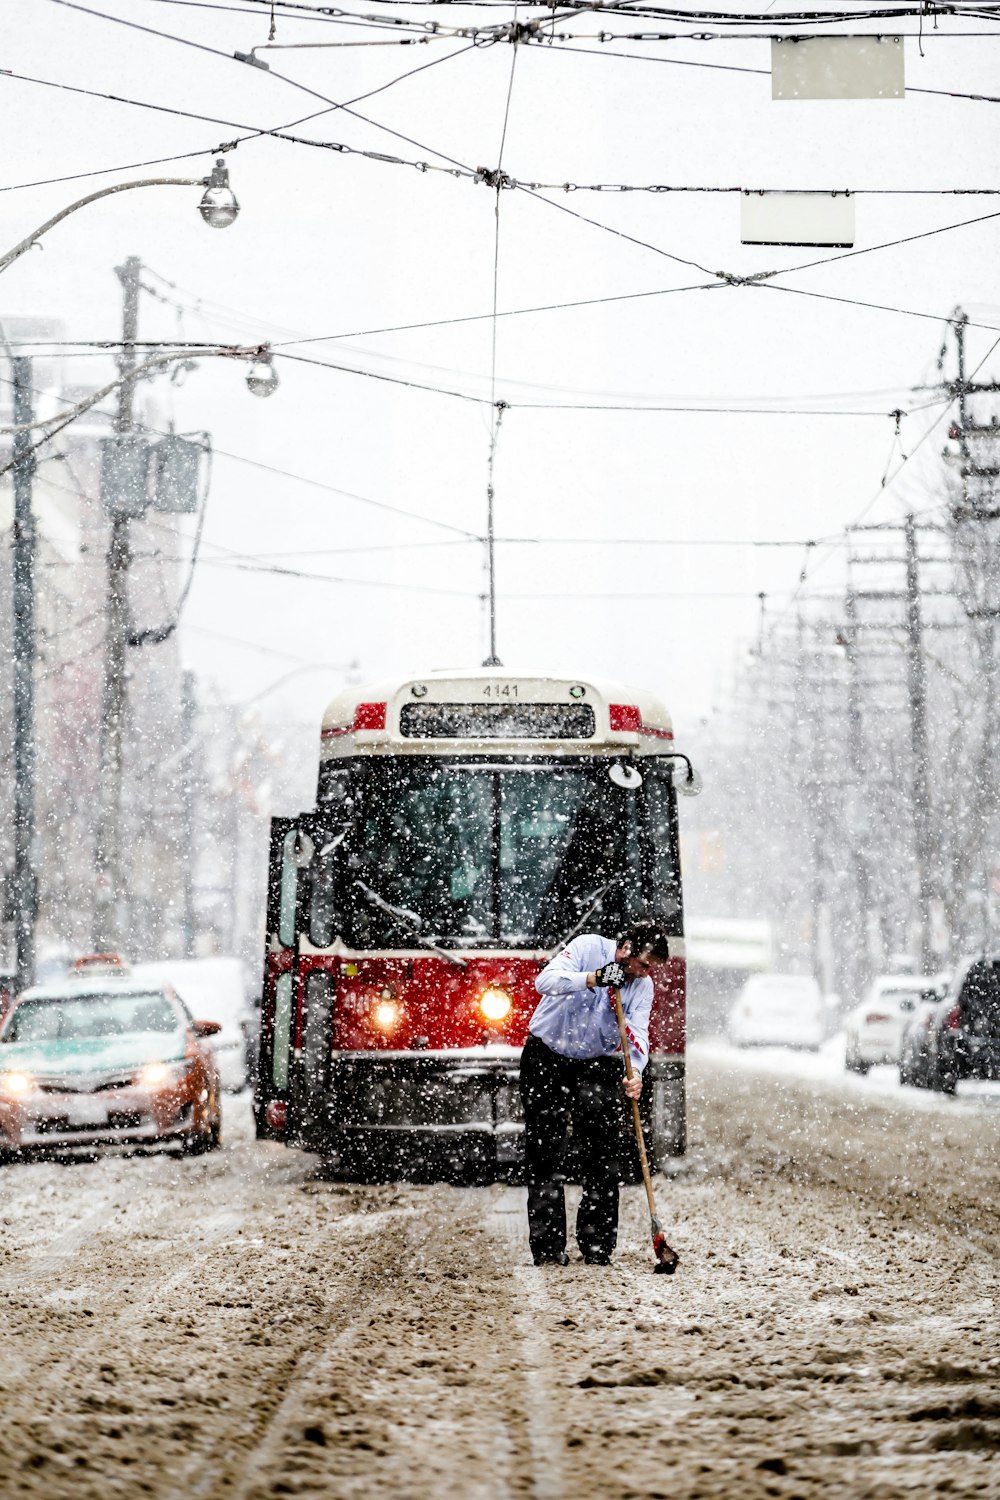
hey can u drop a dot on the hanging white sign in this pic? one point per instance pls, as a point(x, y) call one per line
point(797, 219)
point(837, 67)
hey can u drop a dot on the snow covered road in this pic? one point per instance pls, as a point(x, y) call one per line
point(236, 1326)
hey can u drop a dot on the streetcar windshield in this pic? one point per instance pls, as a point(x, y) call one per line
point(512, 855)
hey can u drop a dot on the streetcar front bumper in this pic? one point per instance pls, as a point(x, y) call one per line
point(423, 1114)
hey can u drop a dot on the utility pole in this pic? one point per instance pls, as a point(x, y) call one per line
point(858, 771)
point(186, 790)
point(981, 513)
point(108, 861)
point(25, 877)
point(916, 678)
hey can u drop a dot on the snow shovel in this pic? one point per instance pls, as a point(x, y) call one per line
point(666, 1258)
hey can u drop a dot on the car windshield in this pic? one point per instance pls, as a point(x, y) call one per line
point(511, 855)
point(84, 1017)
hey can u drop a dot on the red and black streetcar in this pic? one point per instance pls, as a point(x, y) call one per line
point(467, 825)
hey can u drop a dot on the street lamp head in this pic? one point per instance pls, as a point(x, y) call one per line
point(218, 207)
point(262, 377)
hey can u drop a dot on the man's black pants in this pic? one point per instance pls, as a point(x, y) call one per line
point(553, 1089)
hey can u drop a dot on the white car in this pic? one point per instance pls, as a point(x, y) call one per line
point(874, 1029)
point(784, 1010)
point(215, 988)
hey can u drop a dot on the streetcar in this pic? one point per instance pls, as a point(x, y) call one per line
point(467, 825)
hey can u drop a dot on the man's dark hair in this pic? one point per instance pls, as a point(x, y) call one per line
point(646, 933)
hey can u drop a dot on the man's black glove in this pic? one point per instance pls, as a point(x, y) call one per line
point(612, 973)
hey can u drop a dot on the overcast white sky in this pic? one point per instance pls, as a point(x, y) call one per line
point(334, 245)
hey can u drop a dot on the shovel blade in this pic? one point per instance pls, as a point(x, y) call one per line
point(666, 1257)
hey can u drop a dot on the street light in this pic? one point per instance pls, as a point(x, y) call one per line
point(262, 377)
point(219, 206)
point(50, 426)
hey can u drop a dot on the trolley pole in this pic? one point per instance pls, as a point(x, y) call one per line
point(917, 689)
point(25, 890)
point(108, 861)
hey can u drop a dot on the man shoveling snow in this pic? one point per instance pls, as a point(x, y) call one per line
point(569, 1068)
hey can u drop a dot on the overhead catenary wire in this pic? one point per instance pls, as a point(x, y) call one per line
point(270, 73)
point(460, 170)
point(253, 132)
point(548, 541)
point(917, 9)
point(651, 407)
point(495, 313)
point(310, 481)
point(290, 10)
point(306, 575)
point(690, 62)
point(888, 479)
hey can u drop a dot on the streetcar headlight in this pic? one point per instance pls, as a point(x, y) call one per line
point(386, 1014)
point(495, 1005)
point(15, 1083)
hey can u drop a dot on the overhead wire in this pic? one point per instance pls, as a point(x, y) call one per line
point(100, 345)
point(256, 463)
point(890, 478)
point(269, 73)
point(305, 479)
point(916, 9)
point(460, 169)
point(690, 62)
point(609, 229)
point(651, 407)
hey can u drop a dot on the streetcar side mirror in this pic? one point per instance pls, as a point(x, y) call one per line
point(687, 781)
point(624, 776)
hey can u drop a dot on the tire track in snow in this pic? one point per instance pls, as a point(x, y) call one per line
point(110, 1331)
point(530, 1317)
point(306, 1370)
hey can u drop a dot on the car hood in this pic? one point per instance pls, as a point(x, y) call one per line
point(89, 1055)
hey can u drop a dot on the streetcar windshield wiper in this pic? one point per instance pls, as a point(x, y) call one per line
point(408, 919)
point(594, 903)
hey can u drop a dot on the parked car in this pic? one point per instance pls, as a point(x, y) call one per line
point(964, 1031)
point(785, 1010)
point(103, 1057)
point(874, 1029)
point(215, 988)
point(914, 1047)
point(7, 980)
point(250, 1024)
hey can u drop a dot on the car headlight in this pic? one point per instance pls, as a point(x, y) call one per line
point(16, 1084)
point(157, 1073)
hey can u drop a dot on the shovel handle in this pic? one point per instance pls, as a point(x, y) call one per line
point(636, 1120)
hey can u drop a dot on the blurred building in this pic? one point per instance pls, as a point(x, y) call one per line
point(195, 781)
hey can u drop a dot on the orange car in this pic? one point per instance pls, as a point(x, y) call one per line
point(104, 1058)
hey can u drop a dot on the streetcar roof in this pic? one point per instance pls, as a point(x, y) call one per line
point(500, 709)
